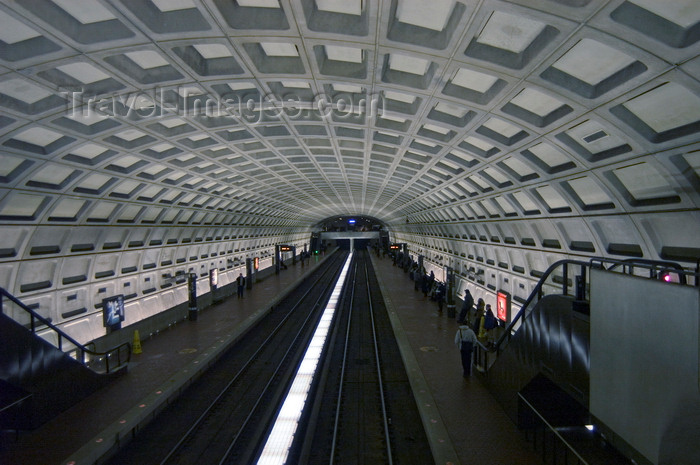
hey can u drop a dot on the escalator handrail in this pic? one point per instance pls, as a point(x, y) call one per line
point(78, 346)
point(653, 265)
point(535, 293)
point(595, 262)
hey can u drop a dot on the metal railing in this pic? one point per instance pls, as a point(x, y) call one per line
point(550, 442)
point(105, 362)
point(558, 278)
point(652, 269)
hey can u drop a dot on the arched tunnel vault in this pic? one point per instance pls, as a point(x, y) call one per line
point(140, 140)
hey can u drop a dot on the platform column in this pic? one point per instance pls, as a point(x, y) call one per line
point(277, 259)
point(192, 291)
point(450, 284)
point(249, 273)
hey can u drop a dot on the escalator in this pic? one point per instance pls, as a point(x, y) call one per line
point(38, 379)
point(553, 341)
point(540, 369)
point(542, 380)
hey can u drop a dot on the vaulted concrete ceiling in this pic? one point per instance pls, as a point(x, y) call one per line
point(573, 122)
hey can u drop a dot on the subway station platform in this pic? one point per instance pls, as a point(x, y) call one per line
point(464, 423)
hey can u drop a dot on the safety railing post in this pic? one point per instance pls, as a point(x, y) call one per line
point(565, 283)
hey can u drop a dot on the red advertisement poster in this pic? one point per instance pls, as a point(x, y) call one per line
point(502, 305)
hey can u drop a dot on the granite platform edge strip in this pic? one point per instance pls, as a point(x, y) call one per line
point(440, 442)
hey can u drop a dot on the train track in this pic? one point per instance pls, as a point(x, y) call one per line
point(362, 412)
point(365, 413)
point(222, 417)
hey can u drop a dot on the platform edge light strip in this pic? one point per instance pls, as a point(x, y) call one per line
point(279, 441)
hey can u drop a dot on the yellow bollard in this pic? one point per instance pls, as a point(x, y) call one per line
point(136, 346)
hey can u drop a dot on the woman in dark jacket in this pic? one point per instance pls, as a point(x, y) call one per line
point(480, 309)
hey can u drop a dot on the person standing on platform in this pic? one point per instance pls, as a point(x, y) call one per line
point(479, 315)
point(425, 283)
point(466, 307)
point(489, 324)
point(240, 281)
point(440, 297)
point(465, 339)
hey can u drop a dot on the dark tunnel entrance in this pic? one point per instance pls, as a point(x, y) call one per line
point(358, 244)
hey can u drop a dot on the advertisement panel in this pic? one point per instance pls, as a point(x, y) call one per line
point(113, 311)
point(503, 306)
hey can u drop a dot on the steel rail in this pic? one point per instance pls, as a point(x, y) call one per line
point(336, 423)
point(189, 433)
point(379, 372)
point(323, 296)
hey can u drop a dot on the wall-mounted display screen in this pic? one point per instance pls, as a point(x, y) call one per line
point(113, 310)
